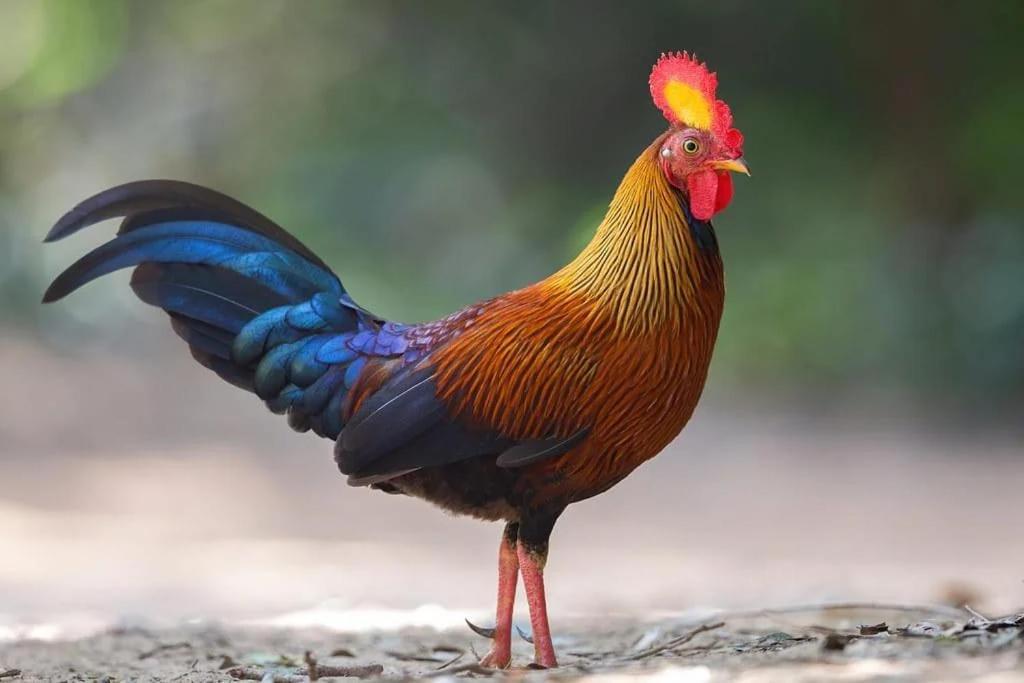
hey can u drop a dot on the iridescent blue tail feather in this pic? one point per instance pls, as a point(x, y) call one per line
point(263, 312)
point(253, 303)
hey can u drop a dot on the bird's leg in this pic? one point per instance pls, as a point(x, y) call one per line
point(532, 550)
point(532, 563)
point(500, 654)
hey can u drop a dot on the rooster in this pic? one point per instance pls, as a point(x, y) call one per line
point(510, 409)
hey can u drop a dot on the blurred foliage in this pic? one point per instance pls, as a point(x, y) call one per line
point(442, 152)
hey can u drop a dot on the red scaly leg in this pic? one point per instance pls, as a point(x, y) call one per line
point(500, 654)
point(531, 561)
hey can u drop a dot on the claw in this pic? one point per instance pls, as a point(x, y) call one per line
point(524, 635)
point(480, 630)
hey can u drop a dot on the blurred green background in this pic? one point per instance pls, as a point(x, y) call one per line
point(441, 152)
point(861, 437)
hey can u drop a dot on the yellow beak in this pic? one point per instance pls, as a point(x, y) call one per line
point(734, 165)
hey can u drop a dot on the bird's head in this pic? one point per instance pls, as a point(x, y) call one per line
point(701, 147)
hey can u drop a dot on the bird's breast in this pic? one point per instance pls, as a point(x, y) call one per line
point(643, 393)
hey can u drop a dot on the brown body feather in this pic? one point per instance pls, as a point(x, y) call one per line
point(618, 342)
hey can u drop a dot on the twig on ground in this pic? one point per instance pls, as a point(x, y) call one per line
point(251, 673)
point(447, 647)
point(311, 665)
point(699, 649)
point(975, 613)
point(412, 657)
point(362, 671)
point(10, 673)
point(226, 662)
point(164, 648)
point(938, 610)
point(675, 642)
point(473, 668)
point(873, 629)
point(451, 661)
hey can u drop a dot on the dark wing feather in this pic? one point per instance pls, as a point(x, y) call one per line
point(403, 409)
point(405, 426)
point(534, 450)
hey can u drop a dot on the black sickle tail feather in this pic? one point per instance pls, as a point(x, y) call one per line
point(136, 199)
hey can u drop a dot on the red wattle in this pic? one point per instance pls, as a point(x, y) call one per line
point(702, 187)
point(724, 195)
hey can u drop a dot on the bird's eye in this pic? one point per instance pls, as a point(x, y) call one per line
point(691, 146)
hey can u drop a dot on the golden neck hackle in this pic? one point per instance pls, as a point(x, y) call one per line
point(643, 266)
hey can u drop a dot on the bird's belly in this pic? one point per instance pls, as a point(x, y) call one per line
point(476, 487)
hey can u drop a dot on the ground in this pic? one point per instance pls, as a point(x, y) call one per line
point(176, 499)
point(808, 644)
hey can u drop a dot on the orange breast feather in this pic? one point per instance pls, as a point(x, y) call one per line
point(617, 345)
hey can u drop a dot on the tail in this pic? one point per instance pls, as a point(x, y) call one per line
point(237, 287)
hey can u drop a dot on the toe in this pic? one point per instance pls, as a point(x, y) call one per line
point(497, 659)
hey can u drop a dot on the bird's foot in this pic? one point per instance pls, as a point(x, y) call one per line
point(498, 657)
point(500, 654)
point(544, 660)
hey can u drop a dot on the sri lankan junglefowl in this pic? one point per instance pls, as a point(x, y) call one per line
point(510, 409)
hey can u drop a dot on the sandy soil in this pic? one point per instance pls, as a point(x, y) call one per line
point(804, 645)
point(180, 499)
point(147, 488)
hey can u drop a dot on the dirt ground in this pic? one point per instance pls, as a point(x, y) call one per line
point(850, 643)
point(182, 510)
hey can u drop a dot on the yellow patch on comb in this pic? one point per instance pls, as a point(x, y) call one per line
point(688, 104)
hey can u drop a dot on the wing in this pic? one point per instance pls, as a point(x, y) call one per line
point(261, 310)
point(372, 388)
point(409, 421)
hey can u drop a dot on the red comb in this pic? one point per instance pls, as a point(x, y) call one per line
point(699, 106)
